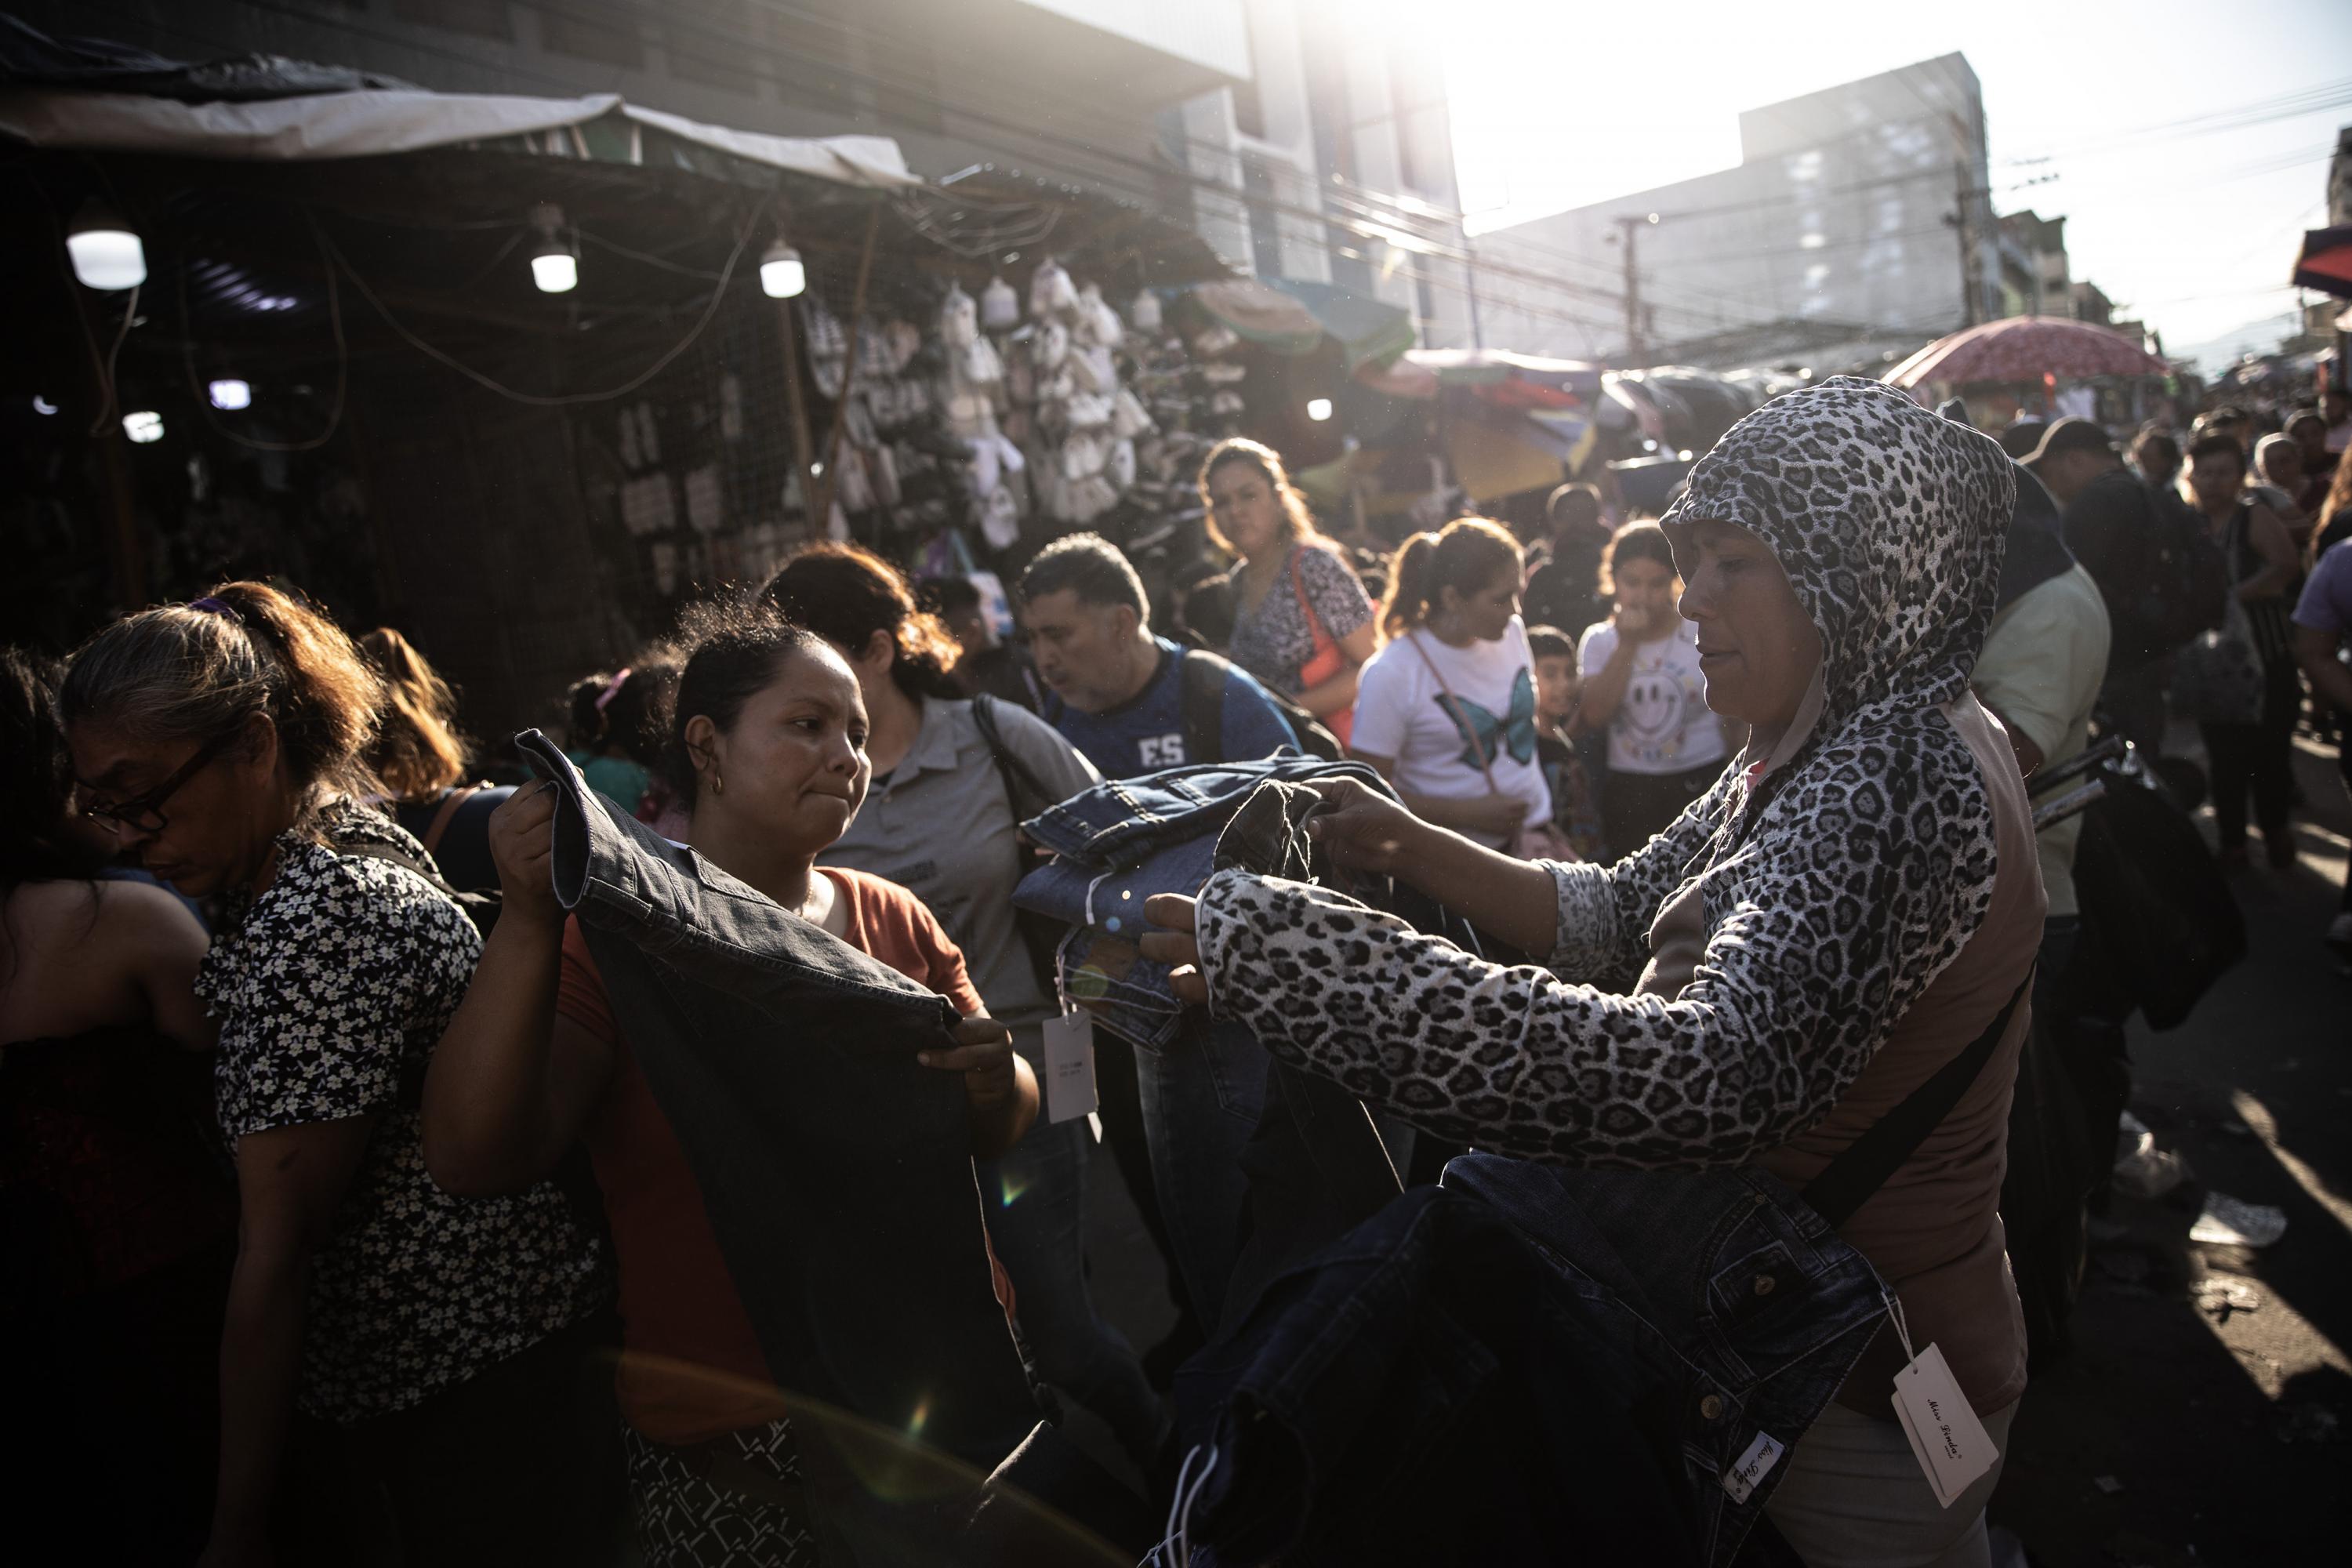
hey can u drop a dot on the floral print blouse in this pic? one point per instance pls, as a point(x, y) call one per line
point(331, 988)
point(1275, 641)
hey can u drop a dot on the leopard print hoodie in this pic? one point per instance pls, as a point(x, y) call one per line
point(1831, 901)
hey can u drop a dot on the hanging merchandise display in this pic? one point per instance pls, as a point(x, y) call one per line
point(899, 460)
point(1074, 411)
point(999, 306)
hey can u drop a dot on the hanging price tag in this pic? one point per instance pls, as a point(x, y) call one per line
point(1069, 1084)
point(1951, 1445)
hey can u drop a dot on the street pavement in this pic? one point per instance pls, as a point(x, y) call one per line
point(2202, 1416)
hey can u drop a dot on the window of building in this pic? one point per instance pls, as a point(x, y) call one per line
point(573, 31)
point(468, 17)
point(1249, 110)
point(716, 47)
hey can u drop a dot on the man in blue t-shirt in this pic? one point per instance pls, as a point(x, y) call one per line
point(1120, 695)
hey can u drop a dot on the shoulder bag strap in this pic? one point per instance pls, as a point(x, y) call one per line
point(1018, 779)
point(1454, 706)
point(441, 818)
point(1863, 1166)
point(1201, 691)
point(1316, 630)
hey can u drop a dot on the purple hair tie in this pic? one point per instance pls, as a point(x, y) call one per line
point(606, 700)
point(213, 606)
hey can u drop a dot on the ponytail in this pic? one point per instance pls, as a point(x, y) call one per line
point(1465, 555)
point(844, 593)
point(1407, 605)
point(417, 750)
point(205, 670)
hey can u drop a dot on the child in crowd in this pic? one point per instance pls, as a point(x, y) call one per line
point(1575, 808)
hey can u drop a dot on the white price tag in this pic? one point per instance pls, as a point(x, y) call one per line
point(1950, 1444)
point(1069, 1067)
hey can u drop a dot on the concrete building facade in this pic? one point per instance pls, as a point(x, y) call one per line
point(1333, 163)
point(1864, 206)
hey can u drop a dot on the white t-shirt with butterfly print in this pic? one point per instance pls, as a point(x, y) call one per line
point(1401, 712)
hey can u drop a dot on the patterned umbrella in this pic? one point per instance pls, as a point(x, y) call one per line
point(2026, 349)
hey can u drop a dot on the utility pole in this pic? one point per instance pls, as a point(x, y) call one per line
point(1962, 194)
point(1629, 223)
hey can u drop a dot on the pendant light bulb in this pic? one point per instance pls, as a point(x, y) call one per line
point(555, 263)
point(781, 274)
point(106, 251)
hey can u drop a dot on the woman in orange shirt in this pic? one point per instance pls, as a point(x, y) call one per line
point(769, 748)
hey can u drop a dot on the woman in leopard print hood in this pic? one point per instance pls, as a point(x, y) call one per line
point(1850, 905)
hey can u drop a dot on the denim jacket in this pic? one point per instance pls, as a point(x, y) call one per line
point(1116, 844)
point(1426, 1390)
point(1529, 1365)
point(1253, 1167)
point(834, 1168)
point(1739, 1305)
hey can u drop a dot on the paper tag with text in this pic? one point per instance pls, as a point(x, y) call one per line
point(1761, 1456)
point(1950, 1444)
point(1069, 1067)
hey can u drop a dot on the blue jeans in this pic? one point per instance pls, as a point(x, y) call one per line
point(1035, 1194)
point(1203, 1085)
point(1202, 1093)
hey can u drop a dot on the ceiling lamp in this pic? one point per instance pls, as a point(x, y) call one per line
point(782, 275)
point(143, 426)
point(106, 251)
point(1318, 409)
point(231, 393)
point(555, 264)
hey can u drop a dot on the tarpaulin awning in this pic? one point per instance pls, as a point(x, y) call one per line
point(2026, 349)
point(1493, 376)
point(2324, 262)
point(370, 123)
point(1293, 316)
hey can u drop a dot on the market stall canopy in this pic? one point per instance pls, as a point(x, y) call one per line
point(1293, 316)
point(369, 122)
point(2325, 263)
point(1492, 375)
point(2026, 349)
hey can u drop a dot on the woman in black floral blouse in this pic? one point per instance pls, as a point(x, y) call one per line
point(221, 740)
point(1302, 623)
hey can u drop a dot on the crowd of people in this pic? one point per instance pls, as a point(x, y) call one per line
point(347, 1197)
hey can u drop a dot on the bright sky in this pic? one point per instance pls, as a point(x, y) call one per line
point(1559, 103)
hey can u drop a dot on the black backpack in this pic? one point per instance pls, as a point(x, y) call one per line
point(2185, 590)
point(1202, 679)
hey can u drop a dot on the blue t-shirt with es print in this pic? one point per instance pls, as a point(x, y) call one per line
point(1146, 733)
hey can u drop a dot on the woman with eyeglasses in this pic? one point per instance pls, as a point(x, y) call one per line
point(441, 1337)
point(115, 1203)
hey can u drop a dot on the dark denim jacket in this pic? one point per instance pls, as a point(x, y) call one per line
point(1253, 1167)
point(1739, 1305)
point(1425, 1391)
point(834, 1168)
point(1123, 840)
point(1633, 1337)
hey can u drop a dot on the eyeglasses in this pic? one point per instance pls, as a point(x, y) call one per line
point(145, 813)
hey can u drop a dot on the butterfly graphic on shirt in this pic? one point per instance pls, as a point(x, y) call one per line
point(1485, 738)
